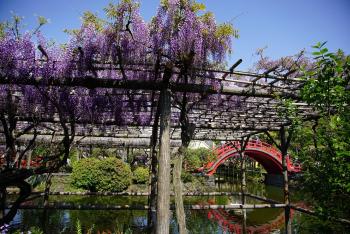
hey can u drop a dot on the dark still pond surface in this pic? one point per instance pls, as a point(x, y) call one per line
point(135, 221)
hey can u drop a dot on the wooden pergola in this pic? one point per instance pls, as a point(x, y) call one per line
point(241, 104)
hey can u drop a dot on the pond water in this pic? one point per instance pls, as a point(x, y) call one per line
point(134, 221)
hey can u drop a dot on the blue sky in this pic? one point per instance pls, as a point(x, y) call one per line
point(283, 26)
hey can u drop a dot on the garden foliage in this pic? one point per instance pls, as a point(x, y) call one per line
point(196, 158)
point(111, 174)
point(141, 175)
point(323, 146)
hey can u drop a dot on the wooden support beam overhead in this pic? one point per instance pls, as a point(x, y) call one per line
point(236, 64)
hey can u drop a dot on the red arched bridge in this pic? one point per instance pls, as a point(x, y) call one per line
point(267, 155)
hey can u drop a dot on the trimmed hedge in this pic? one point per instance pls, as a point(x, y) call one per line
point(106, 175)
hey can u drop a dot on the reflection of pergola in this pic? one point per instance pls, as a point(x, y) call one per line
point(240, 105)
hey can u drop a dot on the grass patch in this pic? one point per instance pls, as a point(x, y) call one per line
point(60, 184)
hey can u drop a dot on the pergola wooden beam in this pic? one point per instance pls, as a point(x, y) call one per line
point(90, 83)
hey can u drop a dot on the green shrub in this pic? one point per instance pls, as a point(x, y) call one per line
point(114, 175)
point(84, 174)
point(196, 158)
point(32, 230)
point(103, 153)
point(187, 177)
point(141, 175)
point(109, 174)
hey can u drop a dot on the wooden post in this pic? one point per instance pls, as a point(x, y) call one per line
point(243, 189)
point(2, 201)
point(128, 154)
point(29, 158)
point(284, 149)
point(163, 195)
point(243, 144)
point(180, 212)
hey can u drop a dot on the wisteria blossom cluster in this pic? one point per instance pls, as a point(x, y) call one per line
point(122, 47)
point(179, 32)
point(288, 65)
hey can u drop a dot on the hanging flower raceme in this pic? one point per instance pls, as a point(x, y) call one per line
point(16, 56)
point(183, 34)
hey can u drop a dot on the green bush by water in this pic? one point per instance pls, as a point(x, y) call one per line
point(196, 158)
point(141, 175)
point(102, 175)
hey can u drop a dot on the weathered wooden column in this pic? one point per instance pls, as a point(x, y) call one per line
point(187, 131)
point(2, 201)
point(284, 148)
point(180, 212)
point(242, 146)
point(29, 158)
point(243, 190)
point(163, 191)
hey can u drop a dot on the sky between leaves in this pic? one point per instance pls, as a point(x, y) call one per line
point(283, 26)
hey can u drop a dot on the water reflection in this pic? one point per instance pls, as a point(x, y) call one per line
point(135, 221)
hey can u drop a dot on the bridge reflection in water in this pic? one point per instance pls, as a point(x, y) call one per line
point(259, 220)
point(231, 221)
point(205, 221)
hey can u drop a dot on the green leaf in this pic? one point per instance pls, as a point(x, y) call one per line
point(324, 50)
point(317, 46)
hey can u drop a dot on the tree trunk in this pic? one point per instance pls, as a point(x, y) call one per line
point(180, 211)
point(154, 170)
point(153, 193)
point(163, 191)
point(25, 191)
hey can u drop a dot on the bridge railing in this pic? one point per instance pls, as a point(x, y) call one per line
point(254, 145)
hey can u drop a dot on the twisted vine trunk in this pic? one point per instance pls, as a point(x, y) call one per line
point(152, 202)
point(47, 189)
point(46, 213)
point(25, 191)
